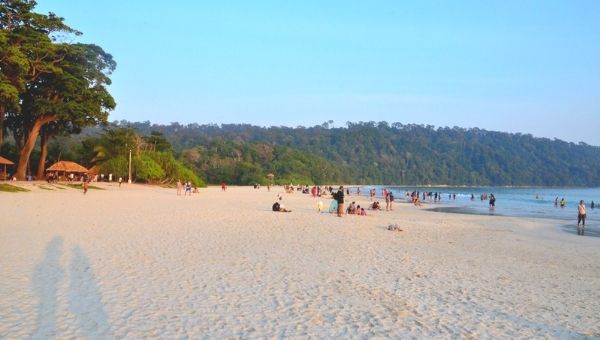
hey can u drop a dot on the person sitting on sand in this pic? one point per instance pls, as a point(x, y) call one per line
point(279, 207)
point(362, 212)
point(375, 206)
point(417, 202)
point(351, 208)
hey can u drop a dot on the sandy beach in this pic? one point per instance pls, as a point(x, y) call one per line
point(141, 262)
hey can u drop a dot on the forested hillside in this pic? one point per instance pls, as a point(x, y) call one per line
point(369, 152)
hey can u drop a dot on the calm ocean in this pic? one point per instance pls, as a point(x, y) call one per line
point(519, 202)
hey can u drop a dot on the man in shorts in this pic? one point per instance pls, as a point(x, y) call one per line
point(580, 217)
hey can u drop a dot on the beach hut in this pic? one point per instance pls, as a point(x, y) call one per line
point(67, 168)
point(5, 162)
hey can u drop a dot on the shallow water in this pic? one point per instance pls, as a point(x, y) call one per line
point(517, 202)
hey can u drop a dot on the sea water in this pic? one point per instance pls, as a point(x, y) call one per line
point(532, 202)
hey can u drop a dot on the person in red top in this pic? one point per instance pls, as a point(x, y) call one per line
point(223, 186)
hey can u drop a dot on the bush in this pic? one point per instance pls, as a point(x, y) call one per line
point(146, 169)
point(174, 169)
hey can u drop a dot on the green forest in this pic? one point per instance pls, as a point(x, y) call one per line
point(380, 153)
point(361, 153)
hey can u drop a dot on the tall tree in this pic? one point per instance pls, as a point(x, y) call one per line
point(25, 43)
point(76, 95)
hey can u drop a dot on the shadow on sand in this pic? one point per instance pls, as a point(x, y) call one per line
point(85, 299)
point(47, 278)
point(84, 296)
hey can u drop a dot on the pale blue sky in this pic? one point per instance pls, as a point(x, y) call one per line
point(517, 66)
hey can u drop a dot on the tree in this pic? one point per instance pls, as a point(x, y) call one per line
point(26, 46)
point(42, 81)
point(74, 96)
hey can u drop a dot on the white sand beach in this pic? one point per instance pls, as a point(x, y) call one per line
point(141, 262)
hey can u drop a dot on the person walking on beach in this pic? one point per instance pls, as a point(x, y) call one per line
point(339, 197)
point(179, 187)
point(85, 183)
point(581, 217)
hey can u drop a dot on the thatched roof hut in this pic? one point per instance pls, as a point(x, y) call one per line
point(68, 167)
point(93, 171)
point(5, 162)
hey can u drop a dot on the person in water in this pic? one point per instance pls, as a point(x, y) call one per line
point(563, 203)
point(581, 217)
point(592, 205)
point(492, 201)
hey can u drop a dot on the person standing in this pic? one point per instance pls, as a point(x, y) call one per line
point(85, 184)
point(179, 187)
point(581, 217)
point(120, 181)
point(339, 197)
point(387, 200)
point(492, 201)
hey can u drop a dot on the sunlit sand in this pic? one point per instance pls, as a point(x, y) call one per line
point(140, 261)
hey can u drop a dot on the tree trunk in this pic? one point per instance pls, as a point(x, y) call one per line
point(2, 113)
point(30, 144)
point(41, 170)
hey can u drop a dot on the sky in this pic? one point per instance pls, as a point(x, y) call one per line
point(514, 66)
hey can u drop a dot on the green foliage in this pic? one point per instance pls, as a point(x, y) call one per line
point(174, 169)
point(56, 88)
point(249, 163)
point(157, 142)
point(110, 151)
point(146, 169)
point(380, 153)
point(118, 166)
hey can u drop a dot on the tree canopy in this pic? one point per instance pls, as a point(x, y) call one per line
point(43, 81)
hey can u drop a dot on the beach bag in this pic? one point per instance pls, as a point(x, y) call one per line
point(276, 206)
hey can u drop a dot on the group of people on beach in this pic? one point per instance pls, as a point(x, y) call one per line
point(187, 188)
point(337, 204)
